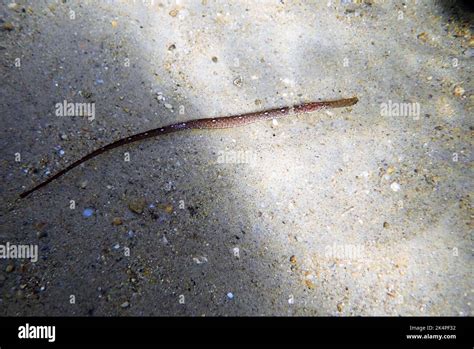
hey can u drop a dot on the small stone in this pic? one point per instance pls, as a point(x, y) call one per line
point(13, 6)
point(174, 13)
point(172, 47)
point(8, 26)
point(340, 306)
point(214, 59)
point(293, 260)
point(88, 212)
point(238, 81)
point(137, 205)
point(114, 24)
point(395, 186)
point(168, 106)
point(41, 234)
point(200, 260)
point(230, 295)
point(168, 208)
point(117, 221)
point(64, 137)
point(423, 37)
point(459, 91)
point(124, 305)
point(386, 225)
point(471, 42)
point(83, 184)
point(309, 284)
point(10, 268)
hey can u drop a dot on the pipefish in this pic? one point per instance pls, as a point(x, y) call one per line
point(201, 124)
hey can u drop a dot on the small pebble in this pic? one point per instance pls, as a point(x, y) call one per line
point(137, 205)
point(459, 91)
point(41, 234)
point(10, 268)
point(83, 184)
point(88, 212)
point(200, 260)
point(423, 37)
point(168, 106)
point(238, 81)
point(8, 26)
point(293, 260)
point(117, 221)
point(230, 295)
point(339, 307)
point(309, 284)
point(395, 186)
point(13, 6)
point(124, 305)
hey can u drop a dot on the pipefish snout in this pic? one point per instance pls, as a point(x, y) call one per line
point(202, 124)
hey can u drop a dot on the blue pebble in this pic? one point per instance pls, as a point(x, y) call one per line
point(88, 212)
point(230, 295)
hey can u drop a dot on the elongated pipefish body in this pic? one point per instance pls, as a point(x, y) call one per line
point(200, 124)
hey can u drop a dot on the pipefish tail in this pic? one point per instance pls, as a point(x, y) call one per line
point(202, 124)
